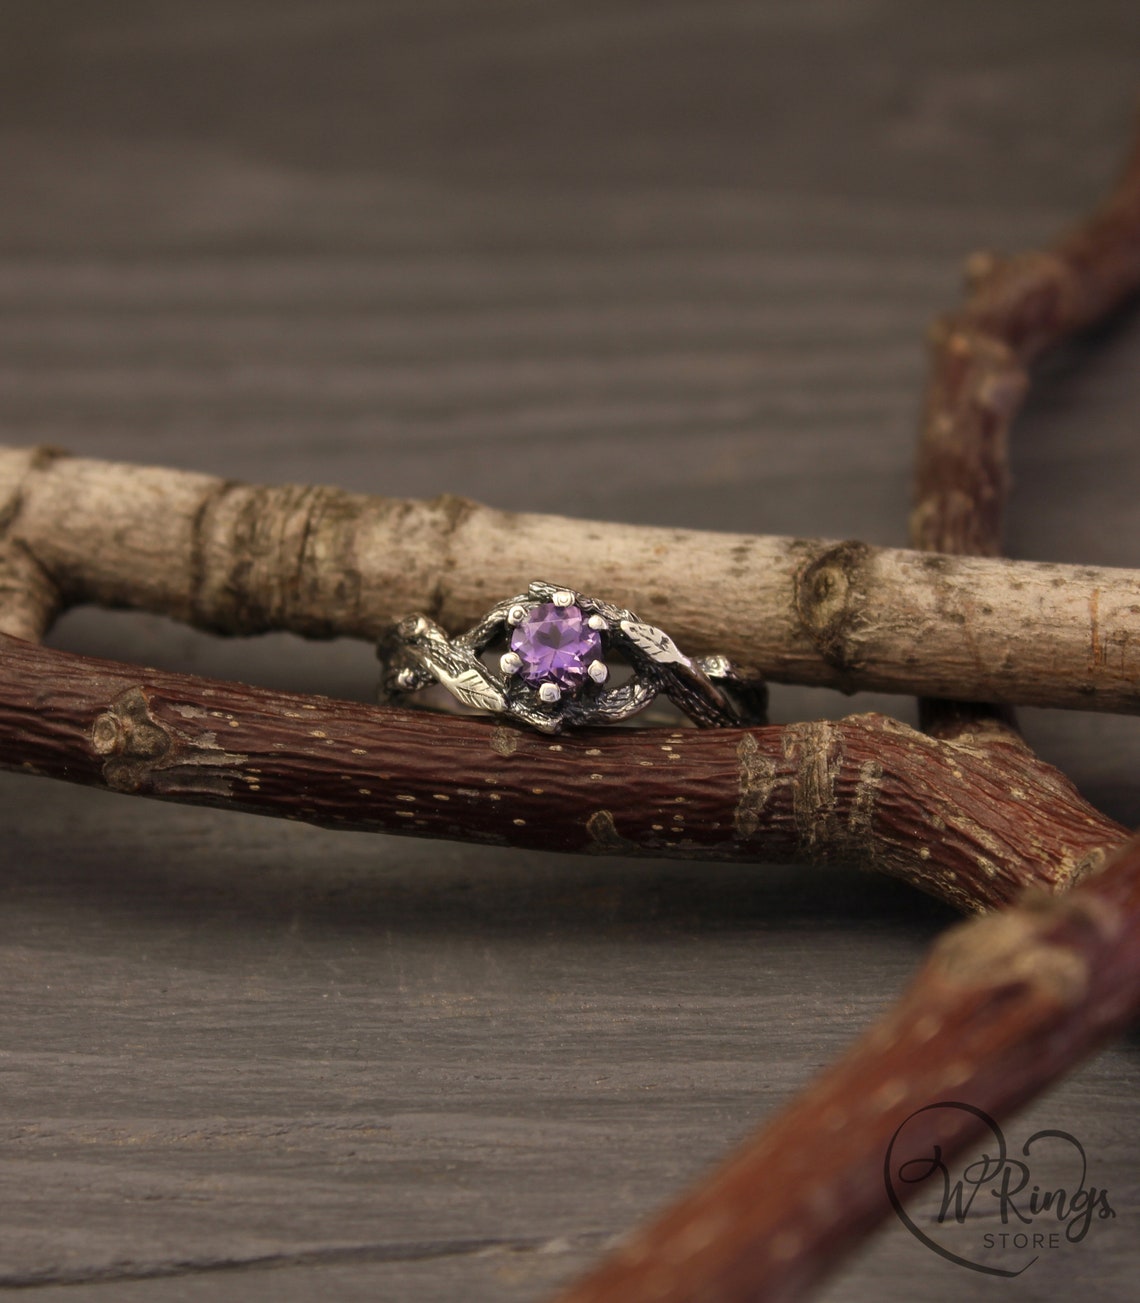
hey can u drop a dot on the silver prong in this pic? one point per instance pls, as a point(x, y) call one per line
point(516, 615)
point(599, 671)
point(564, 597)
point(597, 622)
point(411, 626)
point(406, 679)
point(510, 663)
point(550, 693)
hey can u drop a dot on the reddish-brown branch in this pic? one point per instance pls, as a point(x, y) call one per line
point(970, 823)
point(1003, 1006)
point(980, 354)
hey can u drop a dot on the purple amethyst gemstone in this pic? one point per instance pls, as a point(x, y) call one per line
point(555, 645)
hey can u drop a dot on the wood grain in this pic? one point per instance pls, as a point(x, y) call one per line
point(408, 249)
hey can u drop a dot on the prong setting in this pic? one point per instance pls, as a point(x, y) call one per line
point(551, 673)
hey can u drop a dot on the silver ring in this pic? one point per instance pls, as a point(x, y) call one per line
point(552, 657)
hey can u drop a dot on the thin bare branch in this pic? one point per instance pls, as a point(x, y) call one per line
point(1016, 308)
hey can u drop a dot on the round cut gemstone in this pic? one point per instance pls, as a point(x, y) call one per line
point(555, 645)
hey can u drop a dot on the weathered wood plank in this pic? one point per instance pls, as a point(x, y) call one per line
point(668, 264)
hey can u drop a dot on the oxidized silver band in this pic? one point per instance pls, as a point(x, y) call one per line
point(552, 666)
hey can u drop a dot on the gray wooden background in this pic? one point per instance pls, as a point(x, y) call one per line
point(665, 261)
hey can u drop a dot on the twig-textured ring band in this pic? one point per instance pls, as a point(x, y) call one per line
point(557, 653)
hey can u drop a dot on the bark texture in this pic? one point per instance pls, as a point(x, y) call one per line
point(970, 822)
point(239, 559)
point(1016, 308)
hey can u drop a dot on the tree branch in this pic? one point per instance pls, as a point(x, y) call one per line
point(970, 824)
point(980, 357)
point(238, 559)
point(29, 597)
point(1004, 1006)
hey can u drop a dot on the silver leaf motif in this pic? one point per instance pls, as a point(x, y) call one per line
point(658, 646)
point(709, 689)
point(474, 690)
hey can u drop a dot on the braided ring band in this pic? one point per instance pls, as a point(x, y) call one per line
point(553, 668)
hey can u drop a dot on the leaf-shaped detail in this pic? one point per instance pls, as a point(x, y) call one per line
point(474, 690)
point(655, 644)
